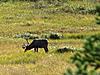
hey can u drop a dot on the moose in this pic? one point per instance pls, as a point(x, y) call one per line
point(37, 43)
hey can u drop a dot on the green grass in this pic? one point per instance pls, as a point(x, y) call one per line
point(22, 17)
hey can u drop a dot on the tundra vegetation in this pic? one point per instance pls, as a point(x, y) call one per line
point(65, 23)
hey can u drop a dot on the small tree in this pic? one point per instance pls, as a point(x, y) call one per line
point(89, 56)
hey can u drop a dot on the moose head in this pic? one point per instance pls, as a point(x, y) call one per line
point(25, 45)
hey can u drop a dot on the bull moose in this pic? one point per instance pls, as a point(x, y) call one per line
point(39, 43)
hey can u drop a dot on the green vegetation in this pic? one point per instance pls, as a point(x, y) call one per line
point(86, 58)
point(73, 20)
point(98, 13)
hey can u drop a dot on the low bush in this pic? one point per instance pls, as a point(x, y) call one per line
point(98, 8)
point(27, 36)
point(55, 36)
point(98, 14)
point(65, 49)
point(98, 20)
point(89, 56)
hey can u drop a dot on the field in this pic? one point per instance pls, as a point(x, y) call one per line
point(27, 17)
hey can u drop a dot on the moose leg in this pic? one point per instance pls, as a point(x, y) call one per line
point(35, 50)
point(46, 49)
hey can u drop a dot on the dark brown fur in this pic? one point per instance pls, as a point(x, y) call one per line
point(37, 44)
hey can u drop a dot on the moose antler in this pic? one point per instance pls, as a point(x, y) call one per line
point(27, 41)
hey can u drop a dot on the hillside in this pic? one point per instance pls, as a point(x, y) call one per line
point(74, 20)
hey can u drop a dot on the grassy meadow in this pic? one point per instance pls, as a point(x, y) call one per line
point(29, 17)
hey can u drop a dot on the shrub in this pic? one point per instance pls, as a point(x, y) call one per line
point(65, 49)
point(55, 36)
point(98, 8)
point(27, 36)
point(98, 20)
point(88, 56)
point(98, 12)
point(46, 36)
point(91, 11)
